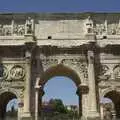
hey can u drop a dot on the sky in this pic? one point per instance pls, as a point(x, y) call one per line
point(62, 88)
point(59, 5)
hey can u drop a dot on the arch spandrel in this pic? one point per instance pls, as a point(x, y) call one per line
point(73, 68)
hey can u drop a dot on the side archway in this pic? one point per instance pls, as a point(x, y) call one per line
point(5, 97)
point(114, 96)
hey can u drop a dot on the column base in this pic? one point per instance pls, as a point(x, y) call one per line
point(93, 115)
point(26, 116)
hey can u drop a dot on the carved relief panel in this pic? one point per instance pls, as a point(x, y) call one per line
point(12, 75)
point(16, 27)
point(17, 72)
point(109, 72)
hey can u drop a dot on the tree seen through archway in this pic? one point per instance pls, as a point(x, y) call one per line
point(60, 95)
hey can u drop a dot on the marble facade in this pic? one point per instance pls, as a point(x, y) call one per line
point(82, 46)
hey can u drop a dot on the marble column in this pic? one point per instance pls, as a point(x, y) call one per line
point(80, 102)
point(38, 97)
point(82, 94)
point(27, 91)
point(36, 101)
point(101, 111)
point(92, 113)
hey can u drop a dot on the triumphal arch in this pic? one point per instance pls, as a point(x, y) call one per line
point(82, 46)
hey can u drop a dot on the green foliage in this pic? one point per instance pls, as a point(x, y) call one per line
point(58, 111)
point(58, 105)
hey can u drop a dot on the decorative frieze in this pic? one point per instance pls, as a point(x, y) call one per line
point(17, 29)
point(12, 84)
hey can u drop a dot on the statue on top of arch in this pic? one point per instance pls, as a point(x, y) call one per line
point(88, 25)
point(29, 25)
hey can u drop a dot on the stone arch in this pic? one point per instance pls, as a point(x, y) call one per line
point(114, 95)
point(5, 96)
point(107, 90)
point(11, 90)
point(60, 70)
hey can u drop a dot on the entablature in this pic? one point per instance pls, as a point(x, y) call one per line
point(59, 29)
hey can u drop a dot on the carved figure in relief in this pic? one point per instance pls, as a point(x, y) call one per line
point(7, 30)
point(104, 72)
point(100, 29)
point(29, 25)
point(3, 72)
point(116, 72)
point(19, 30)
point(17, 72)
point(1, 30)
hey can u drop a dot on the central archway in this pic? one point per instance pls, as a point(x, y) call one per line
point(62, 70)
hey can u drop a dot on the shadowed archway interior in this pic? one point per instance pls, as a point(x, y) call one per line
point(4, 99)
point(115, 97)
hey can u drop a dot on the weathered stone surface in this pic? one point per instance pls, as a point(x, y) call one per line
point(40, 46)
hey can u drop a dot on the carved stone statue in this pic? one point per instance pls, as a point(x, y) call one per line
point(29, 26)
point(89, 25)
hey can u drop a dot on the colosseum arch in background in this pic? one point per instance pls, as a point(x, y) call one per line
point(82, 46)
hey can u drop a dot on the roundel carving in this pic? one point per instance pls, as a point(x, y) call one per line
point(3, 72)
point(17, 72)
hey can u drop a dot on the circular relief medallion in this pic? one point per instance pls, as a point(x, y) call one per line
point(17, 72)
point(3, 72)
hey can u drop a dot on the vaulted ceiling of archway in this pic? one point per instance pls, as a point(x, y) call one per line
point(61, 70)
point(114, 96)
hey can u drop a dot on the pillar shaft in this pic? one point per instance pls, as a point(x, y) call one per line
point(36, 103)
point(27, 91)
point(101, 112)
point(92, 85)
